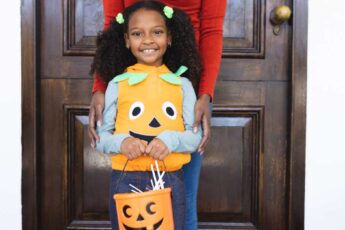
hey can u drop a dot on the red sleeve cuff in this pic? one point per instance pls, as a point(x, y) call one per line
point(98, 85)
point(208, 79)
point(207, 83)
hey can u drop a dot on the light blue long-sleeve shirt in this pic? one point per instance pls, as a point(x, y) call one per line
point(176, 141)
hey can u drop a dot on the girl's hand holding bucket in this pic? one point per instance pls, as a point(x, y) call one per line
point(157, 149)
point(132, 147)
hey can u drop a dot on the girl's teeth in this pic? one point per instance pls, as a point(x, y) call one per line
point(148, 51)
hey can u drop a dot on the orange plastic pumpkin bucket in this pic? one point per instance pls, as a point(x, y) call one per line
point(150, 210)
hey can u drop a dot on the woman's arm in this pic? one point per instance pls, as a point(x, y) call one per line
point(210, 46)
point(211, 43)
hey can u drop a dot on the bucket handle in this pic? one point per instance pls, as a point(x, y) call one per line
point(123, 174)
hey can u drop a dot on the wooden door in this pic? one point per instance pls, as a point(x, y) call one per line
point(246, 178)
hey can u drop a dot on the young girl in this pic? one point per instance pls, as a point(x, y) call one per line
point(149, 108)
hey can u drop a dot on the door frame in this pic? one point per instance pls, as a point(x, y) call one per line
point(30, 40)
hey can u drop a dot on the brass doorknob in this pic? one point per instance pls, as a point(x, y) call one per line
point(278, 16)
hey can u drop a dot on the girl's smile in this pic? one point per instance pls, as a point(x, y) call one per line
point(148, 52)
point(147, 37)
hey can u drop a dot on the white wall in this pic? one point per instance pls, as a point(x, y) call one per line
point(10, 116)
point(325, 170)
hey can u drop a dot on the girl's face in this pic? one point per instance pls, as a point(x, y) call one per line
point(147, 37)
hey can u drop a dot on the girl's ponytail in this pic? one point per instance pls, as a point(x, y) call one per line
point(183, 50)
point(112, 57)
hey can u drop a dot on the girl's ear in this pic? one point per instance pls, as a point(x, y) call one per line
point(126, 40)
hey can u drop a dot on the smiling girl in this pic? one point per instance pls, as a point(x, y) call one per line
point(149, 106)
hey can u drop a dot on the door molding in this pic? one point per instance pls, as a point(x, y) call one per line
point(30, 116)
point(30, 38)
point(296, 167)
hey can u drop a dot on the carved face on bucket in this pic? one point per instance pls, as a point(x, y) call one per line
point(149, 217)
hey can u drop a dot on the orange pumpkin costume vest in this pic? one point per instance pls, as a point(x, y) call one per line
point(144, 110)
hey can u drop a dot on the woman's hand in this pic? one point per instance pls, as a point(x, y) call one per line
point(95, 114)
point(202, 114)
point(157, 149)
point(132, 147)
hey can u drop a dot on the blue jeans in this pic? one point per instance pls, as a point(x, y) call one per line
point(191, 180)
point(141, 180)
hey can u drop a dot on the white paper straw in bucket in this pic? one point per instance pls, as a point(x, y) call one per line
point(156, 183)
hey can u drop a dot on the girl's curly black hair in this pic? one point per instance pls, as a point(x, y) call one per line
point(112, 57)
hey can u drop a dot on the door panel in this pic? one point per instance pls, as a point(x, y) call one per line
point(244, 29)
point(229, 186)
point(243, 182)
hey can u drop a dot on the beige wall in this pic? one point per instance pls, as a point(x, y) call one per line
point(10, 116)
point(325, 171)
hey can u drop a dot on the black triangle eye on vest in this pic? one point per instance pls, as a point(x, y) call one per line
point(154, 123)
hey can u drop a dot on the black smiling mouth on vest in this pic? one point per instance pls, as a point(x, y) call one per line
point(142, 136)
point(155, 227)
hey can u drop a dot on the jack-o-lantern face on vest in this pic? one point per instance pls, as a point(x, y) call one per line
point(146, 124)
point(145, 211)
point(149, 107)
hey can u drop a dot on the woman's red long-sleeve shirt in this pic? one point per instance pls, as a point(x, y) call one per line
point(207, 17)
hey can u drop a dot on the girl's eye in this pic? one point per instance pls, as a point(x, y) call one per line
point(136, 109)
point(158, 32)
point(136, 34)
point(169, 110)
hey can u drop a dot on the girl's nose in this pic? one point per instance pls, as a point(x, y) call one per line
point(148, 39)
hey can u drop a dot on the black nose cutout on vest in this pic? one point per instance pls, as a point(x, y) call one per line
point(140, 218)
point(154, 123)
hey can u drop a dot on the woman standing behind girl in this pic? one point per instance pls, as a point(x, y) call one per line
point(149, 108)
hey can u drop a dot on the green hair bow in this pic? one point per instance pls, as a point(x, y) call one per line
point(168, 11)
point(119, 18)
